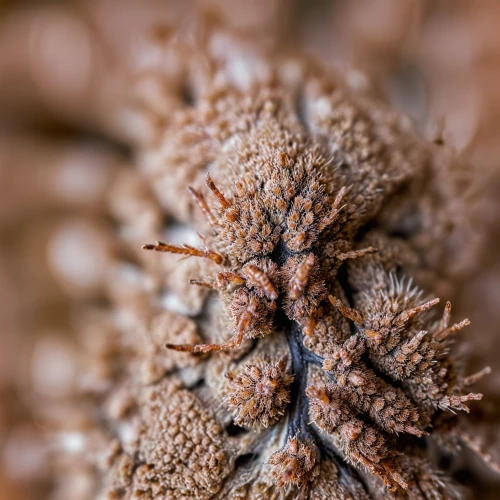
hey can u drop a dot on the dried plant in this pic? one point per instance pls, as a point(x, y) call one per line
point(323, 221)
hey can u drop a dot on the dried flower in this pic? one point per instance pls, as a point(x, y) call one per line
point(260, 395)
point(295, 463)
point(296, 245)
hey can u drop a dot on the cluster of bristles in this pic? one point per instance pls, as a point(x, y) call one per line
point(308, 182)
point(393, 336)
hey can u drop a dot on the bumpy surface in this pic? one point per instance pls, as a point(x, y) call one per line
point(260, 395)
point(326, 371)
point(182, 448)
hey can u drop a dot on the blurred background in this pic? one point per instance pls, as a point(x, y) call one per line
point(66, 72)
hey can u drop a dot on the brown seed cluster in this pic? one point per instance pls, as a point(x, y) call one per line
point(306, 361)
point(404, 343)
point(361, 442)
point(291, 202)
point(260, 395)
point(295, 463)
point(388, 406)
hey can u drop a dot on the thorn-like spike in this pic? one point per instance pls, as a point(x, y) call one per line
point(210, 183)
point(339, 198)
point(258, 278)
point(415, 431)
point(187, 250)
point(336, 208)
point(281, 364)
point(472, 379)
point(456, 402)
point(300, 278)
point(354, 254)
point(400, 480)
point(412, 344)
point(201, 283)
point(152, 247)
point(406, 316)
point(200, 200)
point(445, 322)
point(226, 278)
point(347, 312)
point(233, 342)
point(222, 281)
point(448, 332)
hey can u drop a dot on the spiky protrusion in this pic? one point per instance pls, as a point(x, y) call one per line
point(301, 171)
point(388, 406)
point(283, 226)
point(391, 319)
point(361, 442)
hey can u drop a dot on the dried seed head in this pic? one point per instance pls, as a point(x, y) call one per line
point(296, 464)
point(257, 311)
point(301, 171)
point(361, 442)
point(260, 395)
